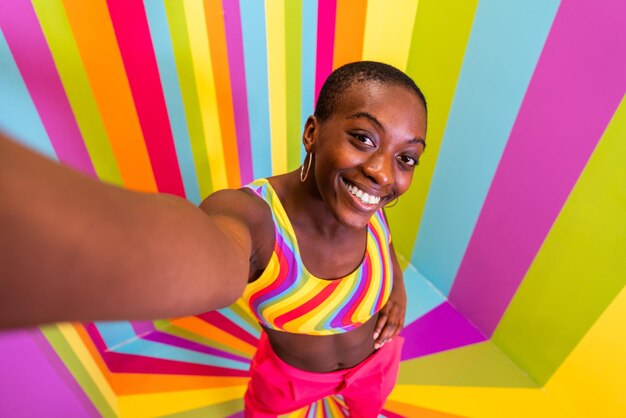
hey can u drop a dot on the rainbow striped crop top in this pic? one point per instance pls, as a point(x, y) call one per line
point(287, 297)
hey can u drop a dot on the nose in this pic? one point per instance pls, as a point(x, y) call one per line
point(379, 169)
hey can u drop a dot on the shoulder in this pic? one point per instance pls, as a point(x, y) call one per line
point(248, 208)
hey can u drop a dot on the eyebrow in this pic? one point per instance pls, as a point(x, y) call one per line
point(375, 121)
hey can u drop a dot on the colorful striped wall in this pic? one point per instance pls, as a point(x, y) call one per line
point(513, 235)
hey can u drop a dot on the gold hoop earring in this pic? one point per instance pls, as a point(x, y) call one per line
point(395, 202)
point(305, 174)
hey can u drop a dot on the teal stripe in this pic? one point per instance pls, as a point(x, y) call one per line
point(309, 46)
point(240, 321)
point(422, 296)
point(120, 337)
point(255, 58)
point(18, 115)
point(501, 55)
point(159, 30)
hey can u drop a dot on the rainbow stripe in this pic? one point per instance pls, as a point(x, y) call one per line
point(288, 297)
point(511, 236)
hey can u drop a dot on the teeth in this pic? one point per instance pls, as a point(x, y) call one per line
point(364, 197)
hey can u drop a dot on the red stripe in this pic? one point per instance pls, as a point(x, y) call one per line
point(225, 324)
point(132, 363)
point(133, 37)
point(307, 307)
point(347, 319)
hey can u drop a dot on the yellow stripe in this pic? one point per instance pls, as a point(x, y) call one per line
point(310, 287)
point(275, 13)
point(592, 377)
point(388, 31)
point(313, 317)
point(159, 404)
point(207, 96)
point(481, 402)
point(79, 349)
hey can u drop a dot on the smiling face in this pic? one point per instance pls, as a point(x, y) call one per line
point(366, 151)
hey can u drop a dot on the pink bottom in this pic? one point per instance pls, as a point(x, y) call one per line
point(277, 388)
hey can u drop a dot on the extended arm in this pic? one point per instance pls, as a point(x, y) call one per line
point(72, 248)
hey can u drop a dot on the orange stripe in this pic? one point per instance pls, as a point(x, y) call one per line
point(349, 31)
point(93, 31)
point(219, 57)
point(211, 332)
point(137, 383)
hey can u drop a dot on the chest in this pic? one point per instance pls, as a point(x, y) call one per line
point(331, 258)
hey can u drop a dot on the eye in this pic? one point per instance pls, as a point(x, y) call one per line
point(408, 160)
point(363, 138)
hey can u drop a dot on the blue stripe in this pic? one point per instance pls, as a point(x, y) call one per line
point(159, 29)
point(309, 47)
point(18, 115)
point(241, 322)
point(120, 337)
point(422, 296)
point(255, 58)
point(502, 52)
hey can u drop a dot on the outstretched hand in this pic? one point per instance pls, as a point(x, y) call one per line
point(391, 317)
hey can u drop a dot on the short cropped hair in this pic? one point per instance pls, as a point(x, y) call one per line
point(356, 72)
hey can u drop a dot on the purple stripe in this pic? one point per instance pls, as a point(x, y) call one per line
point(290, 277)
point(578, 83)
point(150, 333)
point(236, 65)
point(34, 60)
point(441, 329)
point(34, 382)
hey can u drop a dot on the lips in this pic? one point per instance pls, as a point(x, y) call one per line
point(361, 195)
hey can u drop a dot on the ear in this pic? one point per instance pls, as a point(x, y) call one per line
point(309, 135)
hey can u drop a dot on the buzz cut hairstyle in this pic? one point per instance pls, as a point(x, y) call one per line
point(347, 75)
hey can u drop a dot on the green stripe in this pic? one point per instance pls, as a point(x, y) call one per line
point(440, 36)
point(223, 409)
point(74, 365)
point(184, 65)
point(580, 268)
point(293, 64)
point(477, 365)
point(66, 56)
point(169, 328)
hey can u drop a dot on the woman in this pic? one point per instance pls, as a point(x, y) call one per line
point(309, 250)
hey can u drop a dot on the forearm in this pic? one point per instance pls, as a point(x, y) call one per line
point(72, 248)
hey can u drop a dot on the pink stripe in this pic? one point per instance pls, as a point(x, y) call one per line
point(578, 83)
point(326, 12)
point(35, 381)
point(34, 60)
point(131, 363)
point(441, 329)
point(236, 65)
point(133, 37)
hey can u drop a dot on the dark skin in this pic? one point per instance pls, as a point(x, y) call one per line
point(373, 141)
point(74, 248)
